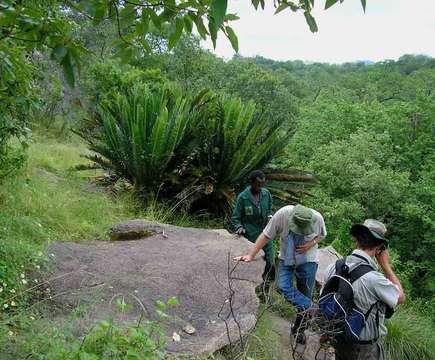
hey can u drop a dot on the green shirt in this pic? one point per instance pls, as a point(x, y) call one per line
point(251, 216)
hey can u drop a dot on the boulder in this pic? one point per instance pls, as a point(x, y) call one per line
point(217, 296)
point(327, 256)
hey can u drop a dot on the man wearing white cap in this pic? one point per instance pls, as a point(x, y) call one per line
point(375, 293)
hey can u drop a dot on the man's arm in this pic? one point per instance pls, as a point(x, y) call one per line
point(384, 262)
point(269, 210)
point(259, 244)
point(308, 245)
point(237, 215)
point(271, 229)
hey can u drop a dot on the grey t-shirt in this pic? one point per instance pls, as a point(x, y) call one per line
point(370, 288)
point(278, 226)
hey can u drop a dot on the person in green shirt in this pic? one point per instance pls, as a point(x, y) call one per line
point(251, 214)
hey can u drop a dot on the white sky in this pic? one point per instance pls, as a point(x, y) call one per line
point(388, 30)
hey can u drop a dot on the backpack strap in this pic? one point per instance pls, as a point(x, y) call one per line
point(341, 268)
point(366, 315)
point(359, 271)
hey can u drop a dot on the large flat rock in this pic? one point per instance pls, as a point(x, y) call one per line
point(217, 296)
point(327, 256)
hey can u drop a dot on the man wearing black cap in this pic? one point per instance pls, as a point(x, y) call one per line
point(374, 292)
point(251, 213)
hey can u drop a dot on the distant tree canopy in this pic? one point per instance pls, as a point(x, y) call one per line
point(48, 23)
point(69, 30)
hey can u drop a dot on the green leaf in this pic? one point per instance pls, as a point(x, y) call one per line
point(175, 36)
point(255, 3)
point(145, 44)
point(364, 4)
point(154, 18)
point(281, 7)
point(188, 24)
point(311, 22)
point(143, 25)
point(202, 30)
point(329, 3)
point(99, 13)
point(231, 17)
point(218, 10)
point(59, 52)
point(307, 5)
point(173, 301)
point(68, 70)
point(233, 38)
point(162, 306)
point(213, 32)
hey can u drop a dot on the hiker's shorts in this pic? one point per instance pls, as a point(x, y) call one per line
point(360, 352)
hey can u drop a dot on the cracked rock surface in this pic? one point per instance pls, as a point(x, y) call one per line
point(152, 262)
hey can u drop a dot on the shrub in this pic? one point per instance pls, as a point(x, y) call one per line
point(16, 99)
point(140, 133)
point(106, 340)
point(229, 142)
point(196, 151)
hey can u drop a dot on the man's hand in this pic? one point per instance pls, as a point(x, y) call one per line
point(301, 249)
point(240, 231)
point(245, 258)
point(383, 258)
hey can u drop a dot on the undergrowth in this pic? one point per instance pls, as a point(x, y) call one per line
point(49, 201)
point(410, 336)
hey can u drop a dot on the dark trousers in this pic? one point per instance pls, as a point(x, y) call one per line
point(360, 352)
point(269, 272)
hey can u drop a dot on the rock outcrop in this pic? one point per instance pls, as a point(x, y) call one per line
point(217, 296)
point(327, 256)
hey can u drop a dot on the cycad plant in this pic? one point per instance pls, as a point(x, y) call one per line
point(231, 140)
point(139, 134)
point(196, 152)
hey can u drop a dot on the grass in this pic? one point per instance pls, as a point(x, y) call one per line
point(410, 336)
point(266, 341)
point(49, 201)
point(262, 344)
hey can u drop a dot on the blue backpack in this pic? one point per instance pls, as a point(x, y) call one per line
point(343, 321)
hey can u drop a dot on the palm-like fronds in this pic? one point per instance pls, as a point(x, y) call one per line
point(140, 133)
point(232, 140)
point(201, 150)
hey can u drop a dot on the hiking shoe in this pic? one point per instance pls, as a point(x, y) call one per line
point(298, 337)
point(312, 310)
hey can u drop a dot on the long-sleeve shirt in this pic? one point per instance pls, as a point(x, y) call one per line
point(250, 214)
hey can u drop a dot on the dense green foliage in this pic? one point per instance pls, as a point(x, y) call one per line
point(141, 132)
point(366, 131)
point(196, 150)
point(55, 27)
